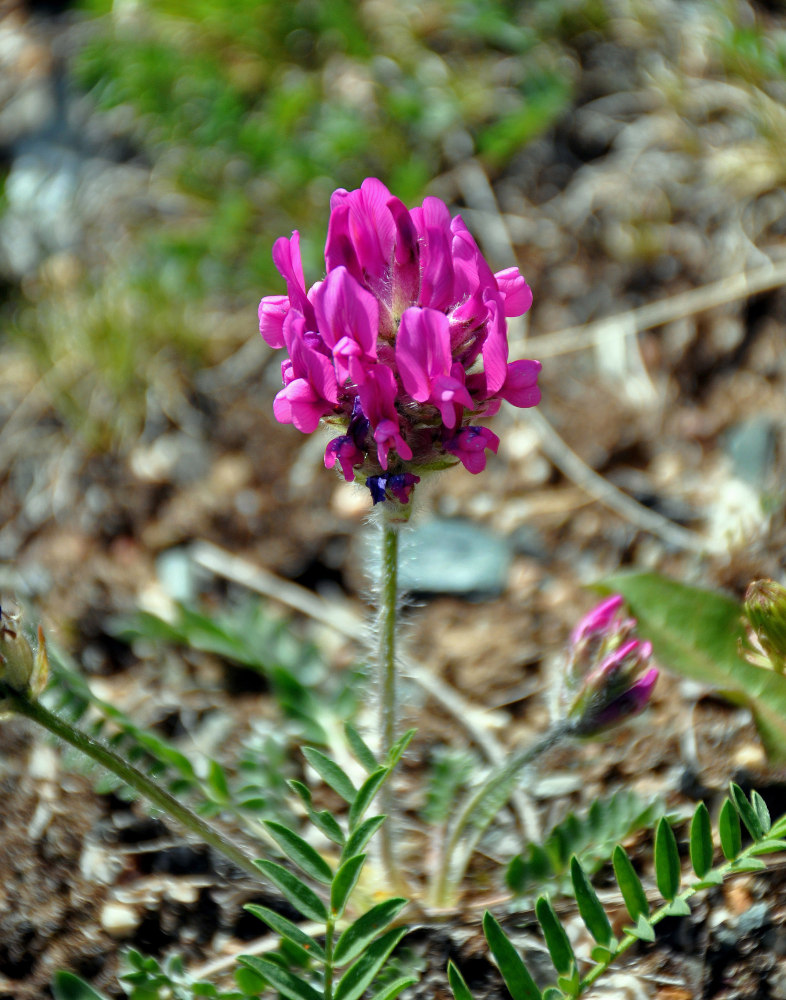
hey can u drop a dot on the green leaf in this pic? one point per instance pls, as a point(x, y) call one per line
point(368, 926)
point(287, 983)
point(552, 993)
point(331, 773)
point(643, 929)
point(358, 839)
point(712, 878)
point(303, 854)
point(698, 633)
point(768, 846)
point(590, 908)
point(365, 795)
point(322, 820)
point(286, 929)
point(570, 985)
point(519, 982)
point(67, 986)
point(304, 900)
point(217, 783)
point(678, 908)
point(556, 939)
point(729, 830)
point(344, 882)
point(457, 984)
point(701, 849)
point(747, 813)
point(360, 749)
point(524, 872)
point(762, 811)
point(398, 748)
point(359, 976)
point(392, 990)
point(630, 885)
point(749, 865)
point(667, 860)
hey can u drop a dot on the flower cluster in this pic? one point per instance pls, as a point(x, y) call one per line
point(402, 346)
point(609, 675)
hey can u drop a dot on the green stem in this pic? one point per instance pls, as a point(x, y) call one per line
point(330, 928)
point(131, 776)
point(478, 810)
point(386, 685)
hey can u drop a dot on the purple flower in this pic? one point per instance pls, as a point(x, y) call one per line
point(469, 446)
point(400, 486)
point(403, 345)
point(609, 675)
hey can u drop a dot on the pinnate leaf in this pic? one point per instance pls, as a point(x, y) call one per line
point(701, 849)
point(748, 814)
point(460, 989)
point(762, 811)
point(286, 929)
point(331, 773)
point(303, 854)
point(368, 926)
point(729, 830)
point(359, 837)
point(630, 885)
point(304, 899)
point(287, 983)
point(556, 939)
point(392, 990)
point(361, 750)
point(365, 795)
point(360, 974)
point(344, 882)
point(519, 982)
point(667, 860)
point(67, 986)
point(590, 908)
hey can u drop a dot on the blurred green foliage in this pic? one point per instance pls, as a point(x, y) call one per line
point(258, 110)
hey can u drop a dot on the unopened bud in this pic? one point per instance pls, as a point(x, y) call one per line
point(608, 676)
point(765, 611)
point(21, 668)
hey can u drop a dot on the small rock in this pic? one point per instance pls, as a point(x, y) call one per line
point(118, 920)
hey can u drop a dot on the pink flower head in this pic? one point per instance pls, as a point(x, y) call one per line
point(403, 345)
point(609, 675)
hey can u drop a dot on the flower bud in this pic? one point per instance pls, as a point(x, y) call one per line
point(21, 669)
point(608, 676)
point(765, 612)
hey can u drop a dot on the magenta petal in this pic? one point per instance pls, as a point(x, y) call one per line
point(272, 313)
point(298, 404)
point(406, 261)
point(422, 350)
point(520, 386)
point(339, 249)
point(436, 280)
point(516, 293)
point(495, 347)
point(448, 393)
point(344, 309)
point(286, 257)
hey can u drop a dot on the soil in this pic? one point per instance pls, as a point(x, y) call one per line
point(683, 415)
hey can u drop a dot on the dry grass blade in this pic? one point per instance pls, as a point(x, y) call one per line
point(717, 293)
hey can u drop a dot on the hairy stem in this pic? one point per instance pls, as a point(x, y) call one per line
point(386, 684)
point(131, 776)
point(479, 809)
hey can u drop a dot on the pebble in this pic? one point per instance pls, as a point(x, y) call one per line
point(118, 920)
